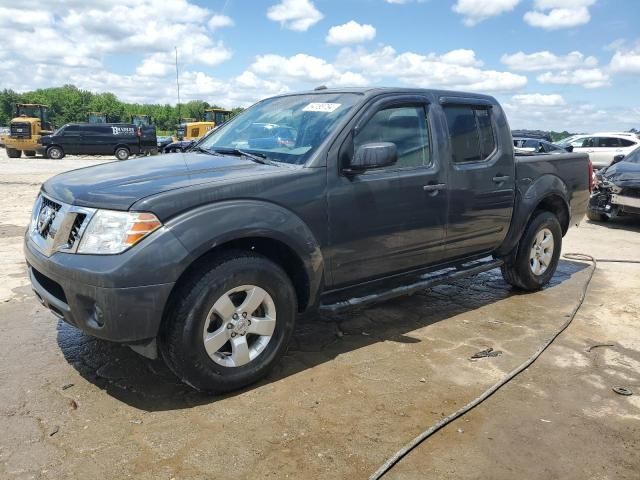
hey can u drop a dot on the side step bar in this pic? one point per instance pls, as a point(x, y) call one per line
point(414, 284)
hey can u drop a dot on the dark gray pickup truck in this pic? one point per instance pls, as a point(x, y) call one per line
point(319, 200)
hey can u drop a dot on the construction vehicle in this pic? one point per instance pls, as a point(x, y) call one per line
point(141, 120)
point(26, 128)
point(97, 117)
point(189, 129)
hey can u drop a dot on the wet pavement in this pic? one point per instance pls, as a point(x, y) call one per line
point(352, 389)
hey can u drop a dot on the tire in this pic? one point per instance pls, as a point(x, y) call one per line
point(55, 153)
point(199, 310)
point(30, 153)
point(541, 243)
point(13, 153)
point(122, 153)
point(596, 216)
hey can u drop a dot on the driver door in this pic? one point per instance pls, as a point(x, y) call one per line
point(391, 219)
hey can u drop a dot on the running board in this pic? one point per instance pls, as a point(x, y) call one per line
point(356, 297)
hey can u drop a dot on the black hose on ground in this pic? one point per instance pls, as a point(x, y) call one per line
point(386, 466)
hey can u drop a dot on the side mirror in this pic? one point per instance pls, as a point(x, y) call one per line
point(569, 148)
point(617, 158)
point(373, 155)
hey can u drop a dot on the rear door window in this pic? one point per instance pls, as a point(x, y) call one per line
point(471, 131)
point(608, 142)
point(626, 143)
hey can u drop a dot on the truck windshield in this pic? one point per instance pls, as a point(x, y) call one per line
point(285, 129)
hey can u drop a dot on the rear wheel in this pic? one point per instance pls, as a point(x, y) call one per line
point(536, 258)
point(13, 153)
point(55, 153)
point(229, 324)
point(122, 153)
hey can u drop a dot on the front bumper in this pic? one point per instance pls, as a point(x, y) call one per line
point(120, 298)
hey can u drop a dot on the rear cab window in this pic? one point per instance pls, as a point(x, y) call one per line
point(471, 132)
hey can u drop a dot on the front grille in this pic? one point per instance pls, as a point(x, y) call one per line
point(75, 230)
point(54, 209)
point(58, 226)
point(20, 130)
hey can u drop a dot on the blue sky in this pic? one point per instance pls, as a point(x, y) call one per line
point(555, 64)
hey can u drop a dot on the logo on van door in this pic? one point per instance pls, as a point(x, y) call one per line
point(123, 130)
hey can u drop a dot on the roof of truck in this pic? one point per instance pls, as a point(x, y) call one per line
point(373, 91)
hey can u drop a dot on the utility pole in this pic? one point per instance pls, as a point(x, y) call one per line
point(178, 83)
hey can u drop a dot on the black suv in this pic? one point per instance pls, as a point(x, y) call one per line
point(119, 139)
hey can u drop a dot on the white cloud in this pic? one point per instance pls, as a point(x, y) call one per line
point(476, 11)
point(538, 99)
point(557, 14)
point(546, 60)
point(220, 21)
point(350, 32)
point(462, 57)
point(305, 70)
point(298, 15)
point(453, 70)
point(626, 60)
point(572, 117)
point(585, 77)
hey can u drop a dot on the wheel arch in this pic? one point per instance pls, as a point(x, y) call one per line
point(275, 250)
point(245, 225)
point(547, 193)
point(122, 145)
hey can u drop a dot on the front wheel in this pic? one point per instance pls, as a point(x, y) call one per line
point(55, 153)
point(13, 153)
point(228, 325)
point(536, 258)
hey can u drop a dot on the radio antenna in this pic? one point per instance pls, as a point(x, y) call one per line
point(178, 83)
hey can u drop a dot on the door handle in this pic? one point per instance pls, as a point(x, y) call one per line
point(500, 178)
point(433, 189)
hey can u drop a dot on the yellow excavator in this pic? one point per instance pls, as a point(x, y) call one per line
point(26, 128)
point(190, 129)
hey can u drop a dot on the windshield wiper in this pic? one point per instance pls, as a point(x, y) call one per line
point(197, 148)
point(256, 157)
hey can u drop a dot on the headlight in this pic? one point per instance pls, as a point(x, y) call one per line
point(111, 232)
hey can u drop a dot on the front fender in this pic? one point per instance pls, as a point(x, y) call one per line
point(529, 194)
point(209, 226)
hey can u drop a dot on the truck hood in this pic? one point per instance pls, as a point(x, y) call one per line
point(118, 185)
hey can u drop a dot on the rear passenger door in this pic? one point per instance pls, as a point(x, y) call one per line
point(481, 178)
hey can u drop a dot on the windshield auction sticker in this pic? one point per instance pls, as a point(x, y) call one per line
point(321, 107)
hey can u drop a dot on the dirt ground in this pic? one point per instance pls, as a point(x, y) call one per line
point(351, 391)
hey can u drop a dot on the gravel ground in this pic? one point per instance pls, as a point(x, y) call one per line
point(351, 391)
